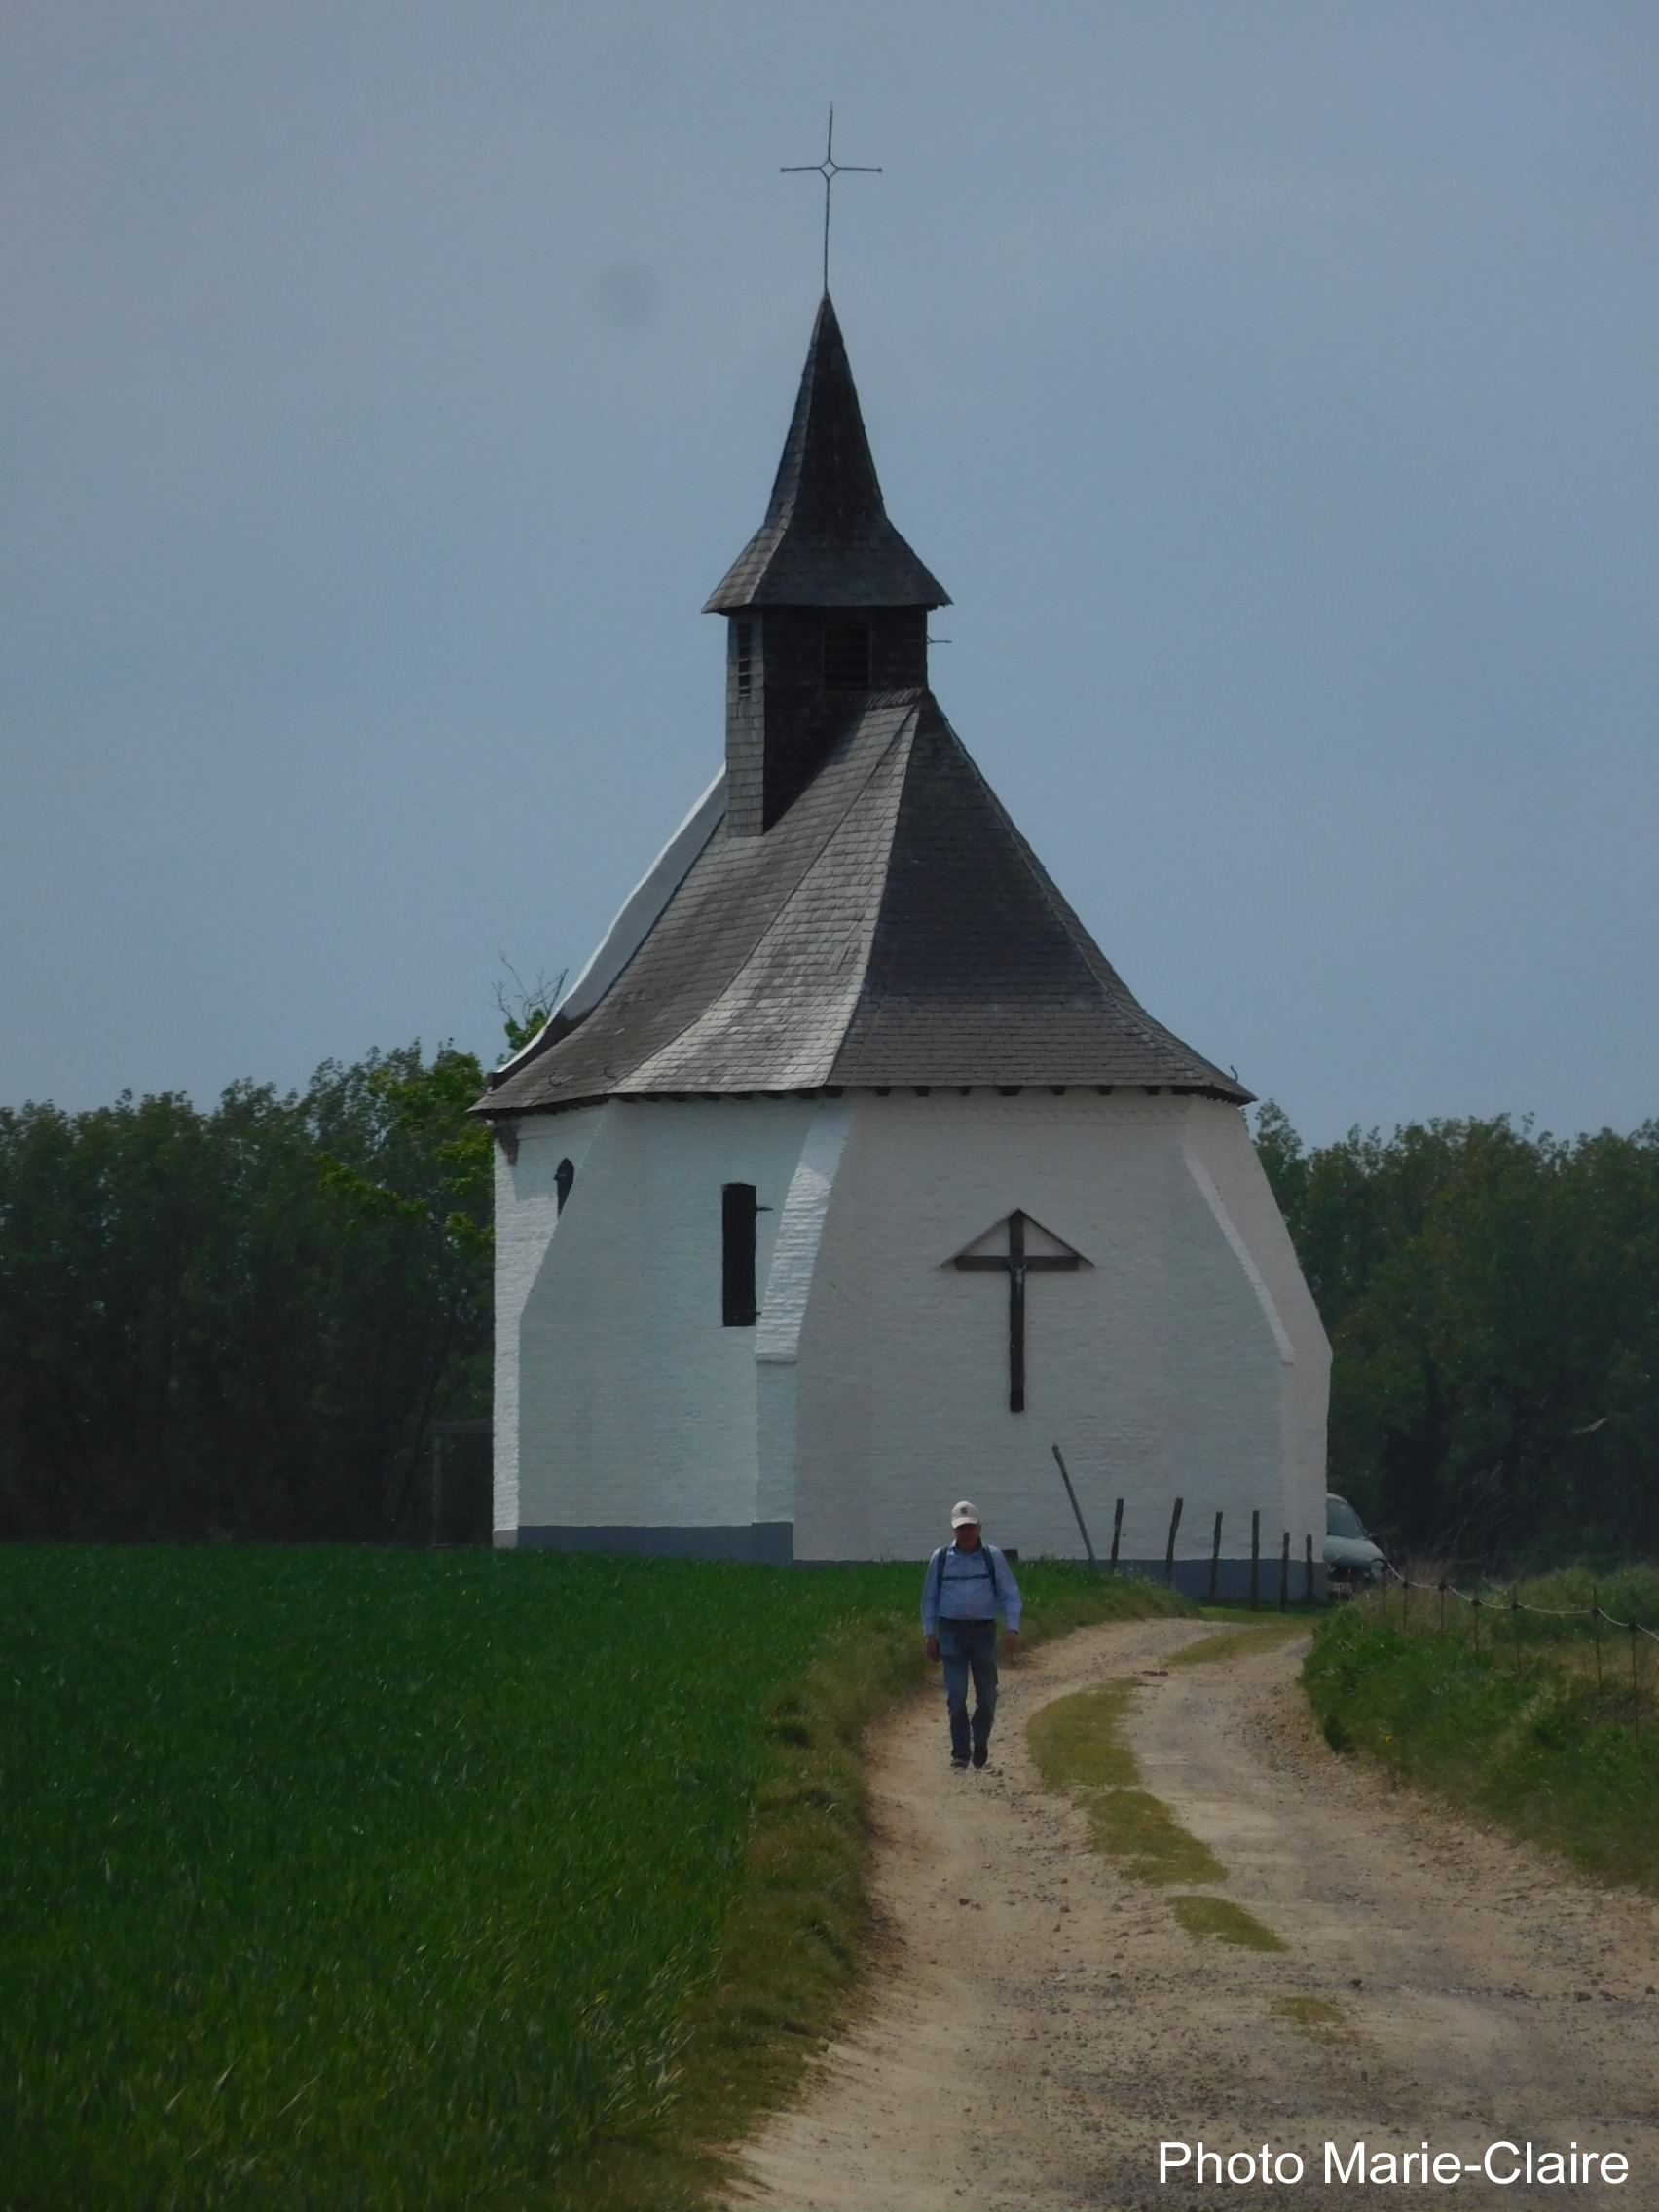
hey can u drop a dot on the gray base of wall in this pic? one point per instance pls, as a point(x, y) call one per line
point(1232, 1579)
point(772, 1544)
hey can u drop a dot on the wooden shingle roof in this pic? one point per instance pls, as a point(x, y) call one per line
point(892, 929)
point(827, 540)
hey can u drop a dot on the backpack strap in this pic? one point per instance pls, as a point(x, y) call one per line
point(986, 1562)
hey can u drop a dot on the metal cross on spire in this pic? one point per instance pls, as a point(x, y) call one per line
point(829, 168)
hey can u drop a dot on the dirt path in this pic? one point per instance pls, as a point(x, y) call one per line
point(1036, 2023)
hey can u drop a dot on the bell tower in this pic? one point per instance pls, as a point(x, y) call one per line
point(826, 605)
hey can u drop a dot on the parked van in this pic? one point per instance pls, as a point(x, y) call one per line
point(1350, 1556)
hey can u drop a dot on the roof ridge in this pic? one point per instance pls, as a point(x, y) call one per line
point(980, 970)
point(1151, 1028)
point(909, 721)
point(802, 888)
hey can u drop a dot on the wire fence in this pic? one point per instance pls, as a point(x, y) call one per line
point(1508, 1616)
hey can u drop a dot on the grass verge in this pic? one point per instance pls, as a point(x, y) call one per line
point(1517, 1726)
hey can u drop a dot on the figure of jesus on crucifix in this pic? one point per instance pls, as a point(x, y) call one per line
point(1016, 1260)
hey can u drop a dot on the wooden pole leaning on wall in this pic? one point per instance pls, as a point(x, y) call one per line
point(1077, 1509)
point(1117, 1531)
point(1307, 1574)
point(1169, 1548)
point(1596, 1631)
point(1284, 1572)
point(1255, 1556)
point(1215, 1560)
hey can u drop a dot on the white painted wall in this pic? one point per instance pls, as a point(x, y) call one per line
point(1161, 1369)
point(784, 1302)
point(527, 1214)
point(1219, 1144)
point(1187, 1359)
point(635, 1405)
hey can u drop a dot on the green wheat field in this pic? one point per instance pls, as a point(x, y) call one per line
point(347, 1880)
point(365, 1878)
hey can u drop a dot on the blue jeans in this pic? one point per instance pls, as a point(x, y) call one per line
point(969, 1647)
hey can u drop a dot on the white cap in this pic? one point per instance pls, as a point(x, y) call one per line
point(962, 1513)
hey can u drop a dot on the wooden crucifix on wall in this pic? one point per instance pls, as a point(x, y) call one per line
point(1017, 1260)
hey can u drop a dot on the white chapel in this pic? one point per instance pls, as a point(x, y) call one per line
point(850, 1178)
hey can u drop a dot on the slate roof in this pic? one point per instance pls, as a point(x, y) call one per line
point(893, 928)
point(827, 540)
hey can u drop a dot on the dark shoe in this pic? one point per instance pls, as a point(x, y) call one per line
point(982, 1753)
point(959, 1762)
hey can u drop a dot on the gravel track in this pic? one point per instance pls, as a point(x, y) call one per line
point(1034, 2024)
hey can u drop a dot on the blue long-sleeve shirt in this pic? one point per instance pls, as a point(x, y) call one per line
point(969, 1586)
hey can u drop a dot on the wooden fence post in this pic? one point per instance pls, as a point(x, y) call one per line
point(1169, 1548)
point(1255, 1555)
point(1634, 1686)
point(1117, 1531)
point(1215, 1558)
point(1284, 1573)
point(1596, 1628)
point(1307, 1578)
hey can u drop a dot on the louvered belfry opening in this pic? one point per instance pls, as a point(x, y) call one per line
point(792, 677)
point(827, 602)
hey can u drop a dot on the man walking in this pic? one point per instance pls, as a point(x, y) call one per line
point(968, 1583)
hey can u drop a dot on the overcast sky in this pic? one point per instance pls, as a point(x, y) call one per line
point(383, 386)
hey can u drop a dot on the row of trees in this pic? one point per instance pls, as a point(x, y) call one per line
point(246, 1322)
point(1492, 1302)
point(243, 1322)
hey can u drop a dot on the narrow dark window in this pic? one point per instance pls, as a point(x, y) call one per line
point(745, 653)
point(847, 656)
point(564, 1175)
point(737, 1255)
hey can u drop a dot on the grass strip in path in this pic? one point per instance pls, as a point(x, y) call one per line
point(1316, 2018)
point(1219, 1920)
point(1146, 1839)
point(1238, 1643)
point(1077, 1746)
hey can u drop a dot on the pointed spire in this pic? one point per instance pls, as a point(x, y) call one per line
point(827, 540)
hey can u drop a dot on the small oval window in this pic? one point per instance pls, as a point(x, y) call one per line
point(564, 1175)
